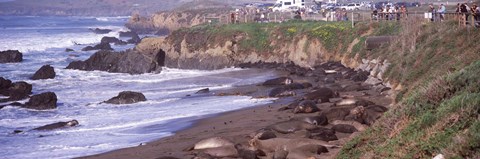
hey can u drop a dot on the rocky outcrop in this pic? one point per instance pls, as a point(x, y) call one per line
point(130, 61)
point(100, 31)
point(127, 34)
point(10, 56)
point(15, 91)
point(165, 22)
point(42, 101)
point(127, 97)
point(101, 46)
point(45, 72)
point(113, 40)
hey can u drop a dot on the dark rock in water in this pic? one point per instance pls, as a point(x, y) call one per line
point(278, 81)
point(101, 46)
point(134, 40)
point(343, 128)
point(5, 83)
point(323, 134)
point(17, 89)
point(42, 101)
point(129, 34)
point(101, 31)
point(17, 131)
point(114, 40)
point(58, 125)
point(69, 50)
point(45, 72)
point(10, 56)
point(280, 92)
point(121, 62)
point(127, 97)
point(206, 90)
point(322, 94)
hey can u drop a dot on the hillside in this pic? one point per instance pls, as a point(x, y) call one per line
point(433, 69)
point(98, 7)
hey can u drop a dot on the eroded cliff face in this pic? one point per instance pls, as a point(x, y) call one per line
point(163, 23)
point(190, 51)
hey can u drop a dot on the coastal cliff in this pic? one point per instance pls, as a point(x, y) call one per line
point(162, 23)
point(432, 68)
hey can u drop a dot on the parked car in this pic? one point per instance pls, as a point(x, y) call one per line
point(351, 6)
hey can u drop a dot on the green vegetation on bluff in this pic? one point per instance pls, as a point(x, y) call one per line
point(439, 106)
point(263, 37)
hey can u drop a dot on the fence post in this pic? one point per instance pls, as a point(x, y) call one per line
point(352, 21)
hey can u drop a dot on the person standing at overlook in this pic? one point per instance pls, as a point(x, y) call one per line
point(441, 11)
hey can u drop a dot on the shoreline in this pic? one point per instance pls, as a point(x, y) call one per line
point(239, 126)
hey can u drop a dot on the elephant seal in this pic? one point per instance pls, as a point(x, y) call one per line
point(344, 128)
point(306, 106)
point(287, 127)
point(202, 91)
point(323, 134)
point(323, 94)
point(58, 125)
point(359, 126)
point(270, 145)
point(223, 151)
point(354, 102)
point(292, 105)
point(265, 134)
point(213, 142)
point(281, 92)
point(278, 81)
point(307, 151)
point(314, 120)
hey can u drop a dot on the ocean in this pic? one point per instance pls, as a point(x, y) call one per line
point(103, 127)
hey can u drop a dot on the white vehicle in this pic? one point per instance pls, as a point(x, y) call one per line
point(351, 6)
point(287, 5)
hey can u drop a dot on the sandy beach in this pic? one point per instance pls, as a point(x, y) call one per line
point(241, 125)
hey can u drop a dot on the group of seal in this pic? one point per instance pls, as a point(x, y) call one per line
point(320, 112)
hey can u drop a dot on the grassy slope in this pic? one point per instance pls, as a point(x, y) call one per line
point(264, 37)
point(438, 66)
point(438, 108)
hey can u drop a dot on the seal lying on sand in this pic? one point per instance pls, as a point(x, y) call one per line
point(216, 147)
point(322, 94)
point(307, 151)
point(270, 145)
point(290, 126)
point(314, 120)
point(359, 126)
point(354, 102)
point(306, 106)
point(213, 142)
